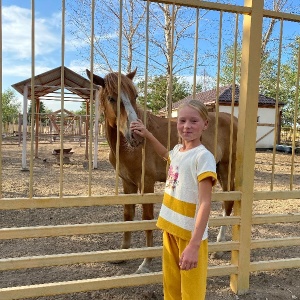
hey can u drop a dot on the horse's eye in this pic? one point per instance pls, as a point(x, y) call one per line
point(111, 99)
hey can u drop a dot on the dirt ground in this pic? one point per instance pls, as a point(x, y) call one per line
point(280, 284)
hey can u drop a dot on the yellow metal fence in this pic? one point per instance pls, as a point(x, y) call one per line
point(242, 221)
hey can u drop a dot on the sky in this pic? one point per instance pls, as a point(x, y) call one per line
point(16, 43)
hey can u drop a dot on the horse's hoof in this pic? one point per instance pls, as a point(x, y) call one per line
point(142, 270)
point(117, 262)
point(217, 255)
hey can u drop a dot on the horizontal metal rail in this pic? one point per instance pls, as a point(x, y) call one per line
point(94, 228)
point(85, 201)
point(41, 261)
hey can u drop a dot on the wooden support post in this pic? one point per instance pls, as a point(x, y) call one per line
point(19, 128)
point(87, 130)
point(246, 142)
point(25, 103)
point(37, 110)
point(80, 130)
point(95, 161)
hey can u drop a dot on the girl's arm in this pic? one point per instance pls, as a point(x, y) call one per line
point(139, 128)
point(189, 257)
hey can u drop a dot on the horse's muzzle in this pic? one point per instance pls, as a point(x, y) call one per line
point(135, 140)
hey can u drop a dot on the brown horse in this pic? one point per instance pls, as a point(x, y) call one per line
point(130, 153)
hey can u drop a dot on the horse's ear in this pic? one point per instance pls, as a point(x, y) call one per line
point(132, 74)
point(96, 79)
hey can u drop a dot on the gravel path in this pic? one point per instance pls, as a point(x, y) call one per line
point(282, 284)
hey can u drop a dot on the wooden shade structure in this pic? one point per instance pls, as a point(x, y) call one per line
point(45, 84)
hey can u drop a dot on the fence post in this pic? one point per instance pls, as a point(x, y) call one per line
point(246, 141)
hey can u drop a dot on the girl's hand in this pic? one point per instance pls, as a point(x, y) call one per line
point(139, 128)
point(189, 258)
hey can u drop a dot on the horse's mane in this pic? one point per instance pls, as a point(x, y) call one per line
point(111, 84)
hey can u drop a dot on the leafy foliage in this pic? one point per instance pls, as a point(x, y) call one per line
point(10, 106)
point(157, 91)
point(268, 79)
point(42, 111)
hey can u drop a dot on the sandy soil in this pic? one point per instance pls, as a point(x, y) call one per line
point(282, 284)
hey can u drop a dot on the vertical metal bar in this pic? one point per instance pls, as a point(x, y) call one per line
point(32, 97)
point(145, 96)
point(276, 104)
point(1, 109)
point(296, 103)
point(196, 53)
point(90, 153)
point(246, 142)
point(119, 98)
point(171, 79)
point(94, 94)
point(218, 85)
point(91, 100)
point(232, 101)
point(62, 101)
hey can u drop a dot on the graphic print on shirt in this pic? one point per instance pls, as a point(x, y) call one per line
point(172, 180)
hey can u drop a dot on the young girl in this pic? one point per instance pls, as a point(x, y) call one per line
point(186, 204)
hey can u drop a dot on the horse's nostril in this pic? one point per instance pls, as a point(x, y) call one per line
point(134, 139)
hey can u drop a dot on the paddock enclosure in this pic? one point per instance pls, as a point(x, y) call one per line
point(61, 223)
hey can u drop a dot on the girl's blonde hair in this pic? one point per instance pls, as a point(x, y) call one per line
point(198, 105)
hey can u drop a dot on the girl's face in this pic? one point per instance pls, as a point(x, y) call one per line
point(190, 125)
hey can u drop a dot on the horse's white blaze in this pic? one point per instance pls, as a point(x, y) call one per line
point(132, 116)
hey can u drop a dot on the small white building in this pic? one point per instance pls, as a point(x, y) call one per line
point(265, 116)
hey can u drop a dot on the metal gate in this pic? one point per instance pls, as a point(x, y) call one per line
point(88, 196)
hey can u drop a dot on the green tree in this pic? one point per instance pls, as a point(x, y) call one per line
point(268, 78)
point(198, 89)
point(269, 65)
point(157, 90)
point(10, 106)
point(288, 86)
point(82, 110)
point(226, 76)
point(42, 111)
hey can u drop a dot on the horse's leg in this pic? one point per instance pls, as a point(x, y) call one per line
point(129, 212)
point(148, 214)
point(222, 170)
point(128, 215)
point(227, 209)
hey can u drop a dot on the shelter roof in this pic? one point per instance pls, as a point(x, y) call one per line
point(225, 97)
point(50, 82)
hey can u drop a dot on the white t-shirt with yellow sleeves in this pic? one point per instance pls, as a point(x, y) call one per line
point(181, 203)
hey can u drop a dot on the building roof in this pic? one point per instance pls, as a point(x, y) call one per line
point(50, 82)
point(225, 97)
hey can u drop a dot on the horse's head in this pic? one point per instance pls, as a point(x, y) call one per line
point(109, 104)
